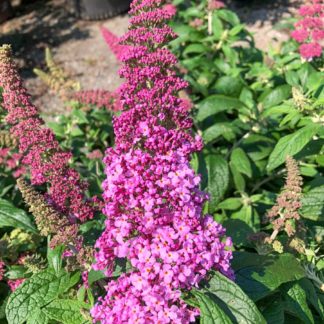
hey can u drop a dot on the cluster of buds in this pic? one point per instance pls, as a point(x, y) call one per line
point(41, 154)
point(310, 30)
point(100, 98)
point(284, 215)
point(51, 222)
point(64, 204)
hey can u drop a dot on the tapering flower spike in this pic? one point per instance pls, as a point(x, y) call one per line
point(112, 41)
point(46, 161)
point(152, 199)
point(285, 213)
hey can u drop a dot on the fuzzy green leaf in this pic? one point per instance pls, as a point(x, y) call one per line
point(218, 129)
point(215, 104)
point(35, 293)
point(66, 311)
point(296, 302)
point(37, 317)
point(14, 217)
point(241, 162)
point(218, 178)
point(210, 311)
point(260, 275)
point(237, 303)
point(276, 96)
point(313, 204)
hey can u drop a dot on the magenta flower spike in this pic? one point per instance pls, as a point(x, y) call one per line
point(99, 98)
point(40, 152)
point(153, 203)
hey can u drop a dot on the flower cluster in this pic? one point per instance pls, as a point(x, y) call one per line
point(100, 98)
point(152, 199)
point(310, 30)
point(42, 155)
point(284, 216)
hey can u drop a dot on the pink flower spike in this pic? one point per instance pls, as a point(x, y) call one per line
point(151, 187)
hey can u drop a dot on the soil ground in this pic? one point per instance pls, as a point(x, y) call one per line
point(78, 45)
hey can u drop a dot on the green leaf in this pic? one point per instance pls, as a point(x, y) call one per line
point(313, 204)
point(238, 304)
point(80, 116)
point(230, 204)
point(95, 276)
point(210, 312)
point(248, 215)
point(37, 317)
point(296, 302)
point(66, 311)
point(218, 178)
point(261, 275)
point(194, 48)
point(241, 162)
point(217, 27)
point(215, 104)
point(239, 231)
point(237, 178)
point(292, 78)
point(14, 217)
point(275, 96)
point(54, 257)
point(228, 16)
point(312, 296)
point(274, 311)
point(278, 110)
point(228, 86)
point(291, 145)
point(35, 293)
point(57, 128)
point(16, 272)
point(217, 130)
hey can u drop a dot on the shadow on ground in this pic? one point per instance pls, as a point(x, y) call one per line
point(37, 25)
point(261, 11)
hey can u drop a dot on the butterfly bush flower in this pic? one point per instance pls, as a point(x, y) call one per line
point(309, 31)
point(153, 203)
point(41, 153)
point(100, 98)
